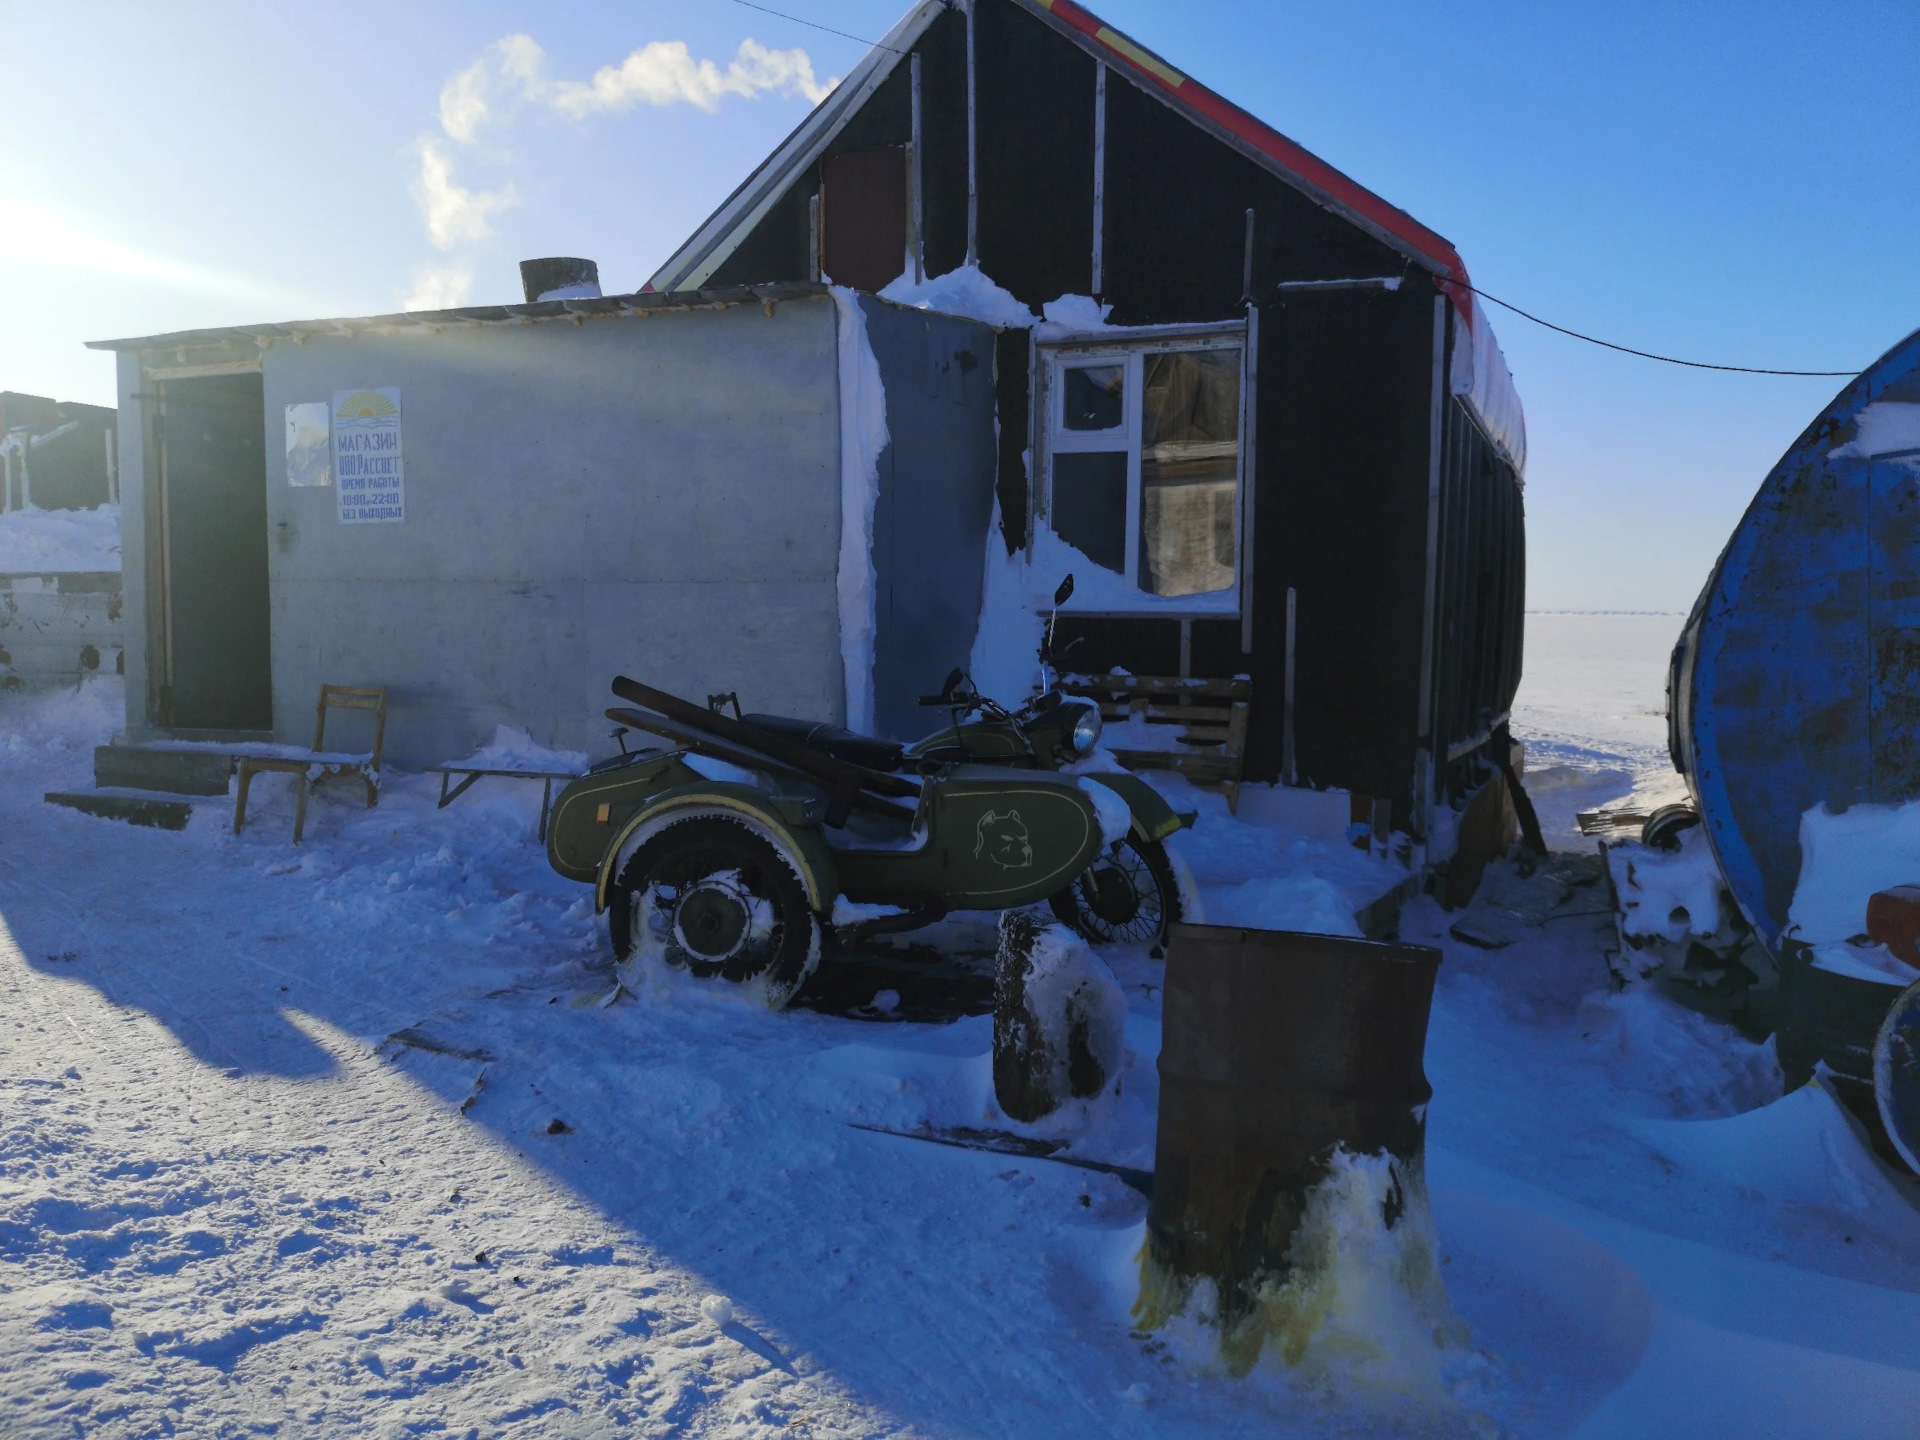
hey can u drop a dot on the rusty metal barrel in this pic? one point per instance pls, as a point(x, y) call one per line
point(1277, 1047)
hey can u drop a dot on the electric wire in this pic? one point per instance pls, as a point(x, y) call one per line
point(816, 25)
point(1648, 354)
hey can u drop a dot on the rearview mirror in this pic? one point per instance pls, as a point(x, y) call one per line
point(955, 691)
point(1065, 592)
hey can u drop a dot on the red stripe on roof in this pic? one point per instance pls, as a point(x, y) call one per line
point(1310, 168)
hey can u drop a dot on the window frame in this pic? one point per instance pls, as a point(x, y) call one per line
point(1130, 348)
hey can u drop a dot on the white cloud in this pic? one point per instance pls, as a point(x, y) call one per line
point(513, 71)
point(440, 287)
point(665, 73)
point(454, 214)
point(465, 100)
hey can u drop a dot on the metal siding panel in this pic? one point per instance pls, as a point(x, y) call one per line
point(935, 503)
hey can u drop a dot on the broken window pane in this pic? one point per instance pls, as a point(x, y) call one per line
point(1090, 505)
point(1093, 396)
point(1189, 471)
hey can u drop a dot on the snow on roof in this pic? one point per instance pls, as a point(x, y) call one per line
point(58, 542)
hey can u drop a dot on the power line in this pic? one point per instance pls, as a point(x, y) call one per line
point(815, 25)
point(1648, 354)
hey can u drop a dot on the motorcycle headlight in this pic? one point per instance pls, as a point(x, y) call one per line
point(1086, 729)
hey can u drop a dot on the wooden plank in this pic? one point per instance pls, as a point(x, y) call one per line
point(1155, 685)
point(1209, 716)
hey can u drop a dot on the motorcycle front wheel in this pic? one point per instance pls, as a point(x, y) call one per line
point(1127, 896)
point(710, 896)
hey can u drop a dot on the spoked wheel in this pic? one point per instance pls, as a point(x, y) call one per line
point(711, 896)
point(1127, 895)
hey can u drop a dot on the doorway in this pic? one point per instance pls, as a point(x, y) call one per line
point(213, 620)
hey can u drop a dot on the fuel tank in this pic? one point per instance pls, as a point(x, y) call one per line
point(1796, 679)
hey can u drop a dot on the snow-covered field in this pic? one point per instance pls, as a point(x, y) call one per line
point(337, 1139)
point(1592, 711)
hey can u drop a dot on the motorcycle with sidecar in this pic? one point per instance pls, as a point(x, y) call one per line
point(725, 851)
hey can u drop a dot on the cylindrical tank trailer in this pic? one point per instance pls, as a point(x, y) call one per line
point(1794, 712)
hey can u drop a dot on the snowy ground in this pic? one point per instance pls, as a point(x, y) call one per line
point(336, 1140)
point(1592, 711)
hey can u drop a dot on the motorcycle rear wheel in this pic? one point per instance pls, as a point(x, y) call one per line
point(1127, 896)
point(710, 896)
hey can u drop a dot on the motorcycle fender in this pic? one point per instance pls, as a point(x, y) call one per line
point(1153, 817)
point(589, 810)
point(758, 811)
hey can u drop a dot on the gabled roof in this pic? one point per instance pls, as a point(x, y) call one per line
point(1260, 142)
point(715, 240)
point(709, 246)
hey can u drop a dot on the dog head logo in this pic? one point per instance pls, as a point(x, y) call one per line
point(1002, 838)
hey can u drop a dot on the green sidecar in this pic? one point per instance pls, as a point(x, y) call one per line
point(724, 851)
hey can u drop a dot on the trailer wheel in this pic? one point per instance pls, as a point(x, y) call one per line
point(711, 896)
point(1127, 896)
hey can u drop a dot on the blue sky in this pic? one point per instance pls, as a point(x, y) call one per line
point(1727, 183)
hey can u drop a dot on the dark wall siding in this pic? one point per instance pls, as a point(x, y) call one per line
point(1481, 593)
point(1150, 645)
point(886, 118)
point(943, 135)
point(1345, 391)
point(935, 503)
point(779, 247)
point(1011, 364)
point(1097, 643)
point(1035, 93)
point(1176, 203)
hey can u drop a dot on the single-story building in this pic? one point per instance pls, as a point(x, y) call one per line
point(1126, 330)
point(56, 454)
point(565, 490)
point(59, 541)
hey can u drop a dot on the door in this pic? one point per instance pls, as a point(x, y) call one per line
point(213, 462)
point(864, 217)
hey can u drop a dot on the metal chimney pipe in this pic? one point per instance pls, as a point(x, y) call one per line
point(559, 272)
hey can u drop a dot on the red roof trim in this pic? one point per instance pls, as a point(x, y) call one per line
point(1309, 168)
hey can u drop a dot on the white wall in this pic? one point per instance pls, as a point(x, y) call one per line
point(653, 496)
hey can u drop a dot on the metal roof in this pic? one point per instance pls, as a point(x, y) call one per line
point(543, 311)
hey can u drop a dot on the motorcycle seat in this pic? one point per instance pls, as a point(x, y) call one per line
point(833, 740)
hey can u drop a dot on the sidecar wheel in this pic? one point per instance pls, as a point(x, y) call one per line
point(711, 896)
point(1127, 896)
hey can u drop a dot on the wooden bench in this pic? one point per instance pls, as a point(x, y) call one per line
point(317, 764)
point(1199, 726)
point(472, 773)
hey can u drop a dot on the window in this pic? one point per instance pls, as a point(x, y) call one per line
point(1143, 455)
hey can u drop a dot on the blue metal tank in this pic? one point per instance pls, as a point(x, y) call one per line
point(1797, 677)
